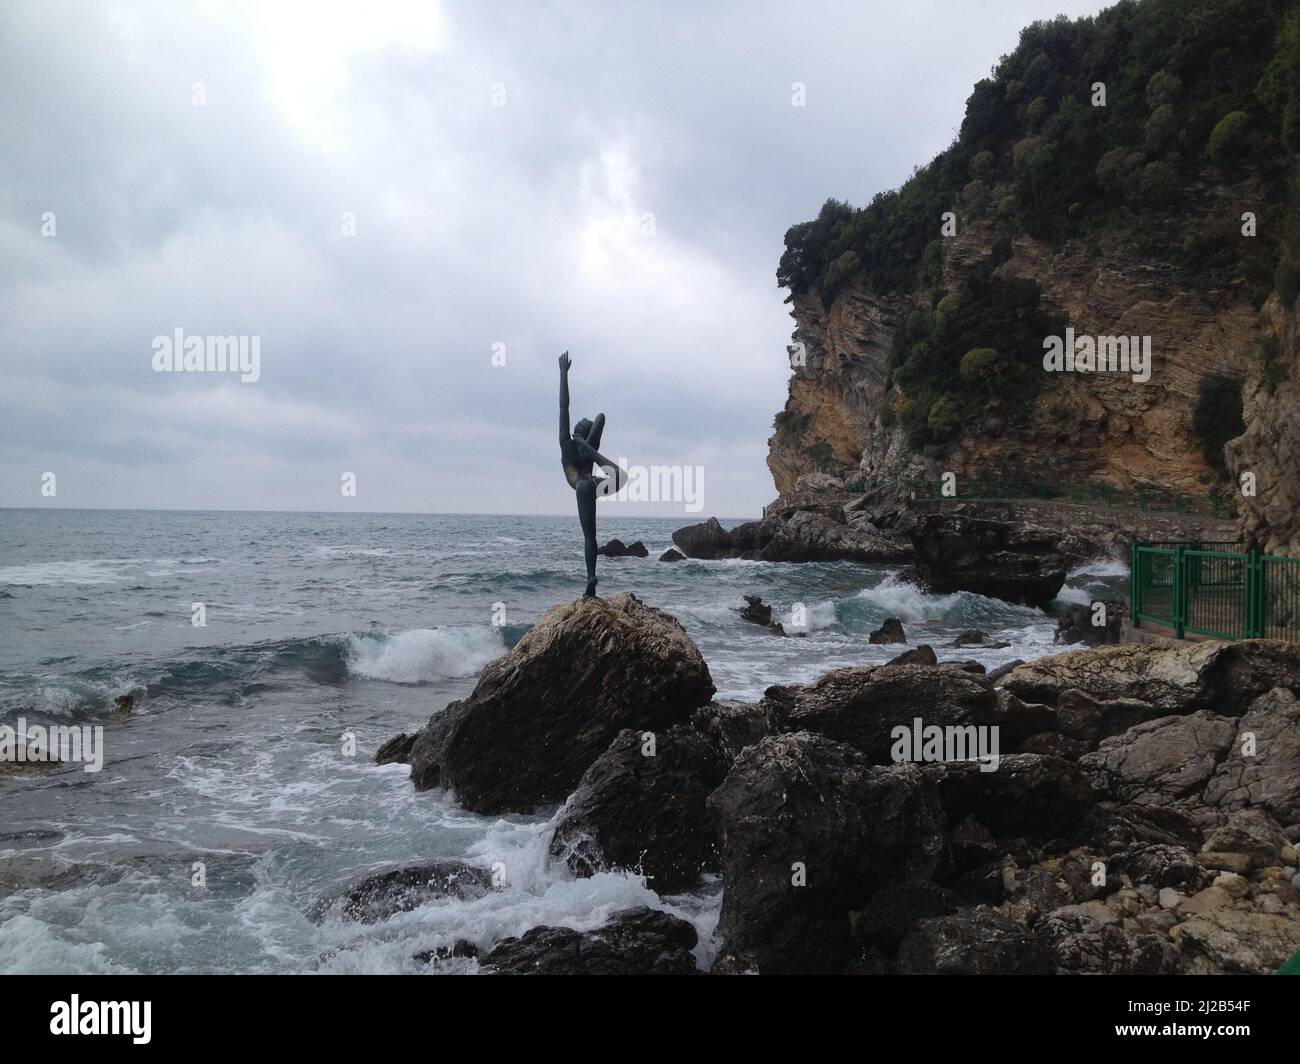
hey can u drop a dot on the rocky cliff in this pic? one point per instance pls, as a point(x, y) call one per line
point(1172, 236)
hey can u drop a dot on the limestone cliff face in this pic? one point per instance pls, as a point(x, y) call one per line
point(838, 358)
point(1080, 426)
point(1270, 446)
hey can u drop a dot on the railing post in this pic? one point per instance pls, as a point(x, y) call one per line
point(1134, 594)
point(1180, 592)
point(1254, 596)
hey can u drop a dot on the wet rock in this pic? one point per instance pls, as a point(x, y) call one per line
point(396, 751)
point(922, 655)
point(861, 706)
point(756, 611)
point(399, 890)
point(616, 548)
point(1002, 671)
point(544, 711)
point(1076, 624)
point(889, 632)
point(672, 555)
point(707, 540)
point(732, 726)
point(1054, 744)
point(810, 829)
point(1007, 560)
point(1114, 827)
point(640, 941)
point(641, 806)
point(973, 667)
point(978, 941)
point(814, 536)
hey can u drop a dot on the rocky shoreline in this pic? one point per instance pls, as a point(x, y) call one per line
point(1137, 812)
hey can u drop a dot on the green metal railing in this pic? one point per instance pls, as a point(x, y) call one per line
point(1147, 500)
point(1227, 594)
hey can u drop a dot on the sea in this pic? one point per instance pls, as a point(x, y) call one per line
point(241, 788)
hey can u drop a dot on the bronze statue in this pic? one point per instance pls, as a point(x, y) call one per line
point(578, 454)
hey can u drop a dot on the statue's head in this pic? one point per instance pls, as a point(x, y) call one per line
point(583, 428)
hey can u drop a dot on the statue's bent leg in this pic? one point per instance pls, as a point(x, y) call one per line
point(586, 492)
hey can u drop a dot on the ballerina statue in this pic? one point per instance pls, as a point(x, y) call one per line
point(578, 453)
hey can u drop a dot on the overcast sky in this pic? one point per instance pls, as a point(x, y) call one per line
point(614, 179)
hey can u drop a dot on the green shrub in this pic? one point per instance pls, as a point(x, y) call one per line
point(1228, 139)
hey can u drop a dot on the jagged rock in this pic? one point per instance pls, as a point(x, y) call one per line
point(616, 548)
point(973, 667)
point(396, 751)
point(978, 941)
point(400, 890)
point(1109, 950)
point(891, 631)
point(1076, 625)
point(1082, 717)
point(672, 555)
point(1249, 831)
point(1113, 827)
point(1012, 561)
point(1172, 679)
point(971, 637)
point(645, 812)
point(818, 482)
point(640, 941)
point(1233, 942)
point(1054, 744)
point(861, 706)
point(1002, 671)
point(1162, 760)
point(544, 711)
point(732, 726)
point(803, 805)
point(922, 655)
point(756, 611)
point(1028, 795)
point(1268, 778)
point(810, 536)
point(706, 540)
point(1159, 865)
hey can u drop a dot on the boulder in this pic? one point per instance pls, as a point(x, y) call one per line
point(922, 655)
point(707, 540)
point(640, 941)
point(1228, 941)
point(732, 726)
point(1002, 671)
point(641, 806)
point(1268, 776)
point(396, 751)
point(1077, 625)
point(889, 632)
point(399, 890)
point(977, 941)
point(809, 831)
point(813, 536)
point(544, 711)
point(1162, 760)
point(1011, 561)
point(756, 611)
point(971, 637)
point(861, 706)
point(672, 555)
point(1251, 831)
point(1225, 677)
point(1028, 795)
point(616, 548)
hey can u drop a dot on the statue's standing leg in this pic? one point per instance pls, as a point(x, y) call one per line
point(586, 492)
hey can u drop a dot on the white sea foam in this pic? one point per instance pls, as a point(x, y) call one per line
point(1102, 567)
point(423, 654)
